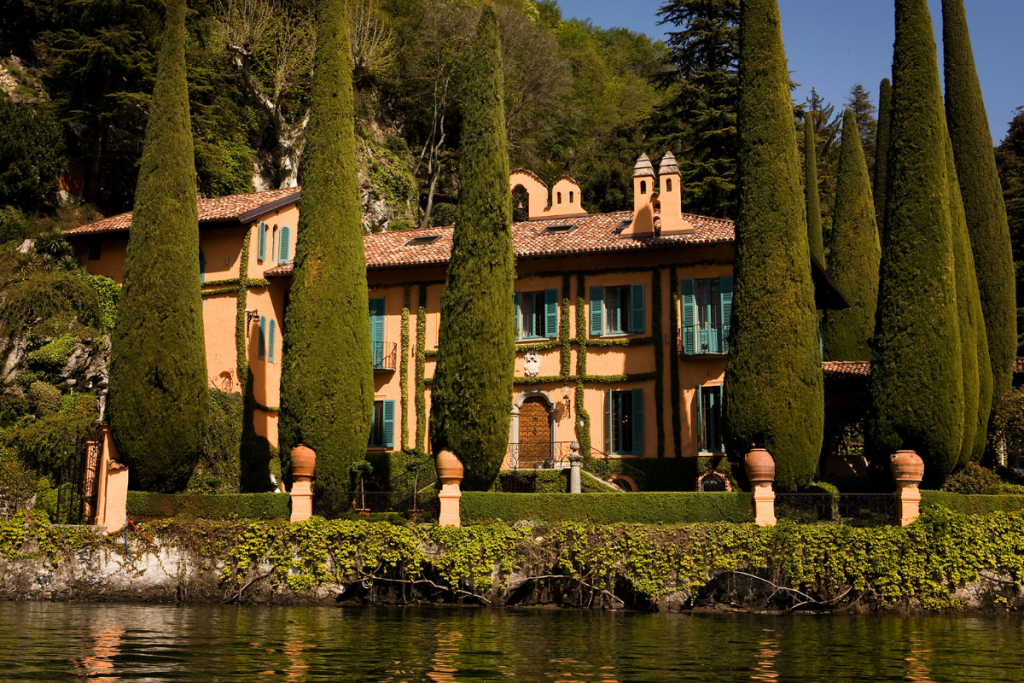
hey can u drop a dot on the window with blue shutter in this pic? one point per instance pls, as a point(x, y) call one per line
point(725, 287)
point(261, 346)
point(519, 326)
point(596, 311)
point(638, 422)
point(202, 266)
point(382, 426)
point(537, 314)
point(270, 342)
point(551, 313)
point(261, 241)
point(706, 312)
point(389, 424)
point(377, 332)
point(689, 317)
point(709, 419)
point(638, 325)
point(284, 251)
point(626, 422)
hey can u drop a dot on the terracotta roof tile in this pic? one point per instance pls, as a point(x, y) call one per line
point(210, 210)
point(588, 235)
point(846, 369)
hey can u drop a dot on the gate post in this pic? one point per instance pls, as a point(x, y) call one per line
point(303, 465)
point(760, 469)
point(908, 471)
point(112, 486)
point(575, 460)
point(450, 472)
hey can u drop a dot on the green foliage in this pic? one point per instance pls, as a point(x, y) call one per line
point(219, 467)
point(1008, 425)
point(1010, 161)
point(600, 508)
point(224, 165)
point(442, 215)
point(974, 479)
point(51, 358)
point(916, 382)
point(400, 226)
point(880, 175)
point(859, 102)
point(13, 225)
point(390, 180)
point(50, 304)
point(17, 482)
point(108, 292)
point(158, 401)
point(44, 398)
point(814, 235)
point(775, 395)
point(854, 254)
point(32, 155)
point(327, 397)
point(48, 444)
point(143, 506)
point(472, 384)
point(982, 201)
point(975, 504)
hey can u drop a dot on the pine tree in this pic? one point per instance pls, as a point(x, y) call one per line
point(814, 237)
point(158, 398)
point(854, 254)
point(472, 388)
point(327, 396)
point(774, 375)
point(1010, 161)
point(916, 384)
point(882, 151)
point(983, 201)
point(860, 102)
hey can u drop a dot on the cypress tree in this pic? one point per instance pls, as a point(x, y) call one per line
point(471, 395)
point(982, 194)
point(327, 395)
point(158, 398)
point(882, 151)
point(817, 243)
point(854, 253)
point(774, 378)
point(916, 385)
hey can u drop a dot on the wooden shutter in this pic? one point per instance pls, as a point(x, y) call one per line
point(270, 342)
point(725, 292)
point(284, 251)
point(609, 442)
point(262, 346)
point(551, 313)
point(202, 266)
point(389, 424)
point(700, 419)
point(638, 421)
point(638, 316)
point(261, 240)
point(596, 311)
point(689, 315)
point(377, 320)
point(519, 325)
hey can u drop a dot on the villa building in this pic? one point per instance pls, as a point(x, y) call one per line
point(622, 319)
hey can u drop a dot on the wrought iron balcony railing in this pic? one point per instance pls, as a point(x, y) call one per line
point(385, 356)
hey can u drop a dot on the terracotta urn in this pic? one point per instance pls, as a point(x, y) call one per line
point(303, 461)
point(449, 468)
point(760, 467)
point(907, 468)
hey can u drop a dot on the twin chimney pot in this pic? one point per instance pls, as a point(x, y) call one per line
point(657, 199)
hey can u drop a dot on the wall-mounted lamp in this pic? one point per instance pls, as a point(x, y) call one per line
point(251, 315)
point(565, 399)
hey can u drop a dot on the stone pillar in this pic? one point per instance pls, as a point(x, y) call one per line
point(760, 469)
point(908, 471)
point(303, 465)
point(112, 486)
point(450, 471)
point(93, 450)
point(575, 461)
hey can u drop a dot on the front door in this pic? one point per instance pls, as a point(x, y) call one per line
point(534, 433)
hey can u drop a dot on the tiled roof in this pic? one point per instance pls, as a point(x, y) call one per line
point(588, 235)
point(846, 369)
point(232, 207)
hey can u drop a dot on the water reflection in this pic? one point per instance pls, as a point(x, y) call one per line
point(765, 669)
point(102, 640)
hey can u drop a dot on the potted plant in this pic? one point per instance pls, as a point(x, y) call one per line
point(360, 470)
point(415, 467)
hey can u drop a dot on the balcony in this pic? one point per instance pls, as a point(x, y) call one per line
point(707, 342)
point(385, 356)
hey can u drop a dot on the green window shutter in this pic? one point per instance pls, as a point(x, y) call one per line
point(519, 324)
point(608, 414)
point(551, 313)
point(701, 446)
point(262, 346)
point(725, 292)
point(638, 314)
point(270, 342)
point(284, 251)
point(389, 424)
point(638, 421)
point(261, 240)
point(689, 317)
point(377, 320)
point(202, 266)
point(596, 311)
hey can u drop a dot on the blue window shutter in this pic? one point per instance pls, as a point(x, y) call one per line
point(689, 317)
point(270, 342)
point(596, 311)
point(202, 266)
point(261, 249)
point(725, 291)
point(519, 324)
point(262, 346)
point(638, 313)
point(377, 320)
point(609, 426)
point(700, 420)
point(551, 313)
point(284, 251)
point(638, 421)
point(389, 424)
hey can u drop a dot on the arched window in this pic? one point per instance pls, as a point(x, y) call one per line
point(668, 184)
point(520, 204)
point(202, 266)
point(643, 187)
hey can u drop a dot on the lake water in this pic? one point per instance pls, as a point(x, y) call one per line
point(57, 641)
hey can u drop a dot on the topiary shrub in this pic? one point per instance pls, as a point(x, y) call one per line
point(219, 467)
point(44, 398)
point(974, 479)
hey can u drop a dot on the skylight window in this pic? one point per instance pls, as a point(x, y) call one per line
point(558, 229)
point(623, 225)
point(421, 241)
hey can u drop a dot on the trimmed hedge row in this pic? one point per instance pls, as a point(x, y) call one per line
point(971, 504)
point(142, 505)
point(599, 508)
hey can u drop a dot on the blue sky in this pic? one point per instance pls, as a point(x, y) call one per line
point(833, 44)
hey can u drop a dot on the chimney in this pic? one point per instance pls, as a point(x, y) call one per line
point(644, 198)
point(670, 198)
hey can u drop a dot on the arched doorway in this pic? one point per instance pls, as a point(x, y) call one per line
point(534, 433)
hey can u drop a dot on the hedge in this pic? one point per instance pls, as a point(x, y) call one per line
point(142, 505)
point(600, 508)
point(971, 504)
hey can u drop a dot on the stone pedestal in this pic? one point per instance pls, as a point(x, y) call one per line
point(111, 486)
point(575, 462)
point(908, 505)
point(450, 471)
point(303, 465)
point(760, 468)
point(908, 471)
point(764, 505)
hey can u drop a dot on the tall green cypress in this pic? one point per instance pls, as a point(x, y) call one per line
point(916, 387)
point(882, 151)
point(158, 398)
point(774, 379)
point(982, 194)
point(814, 236)
point(854, 253)
point(327, 365)
point(471, 395)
